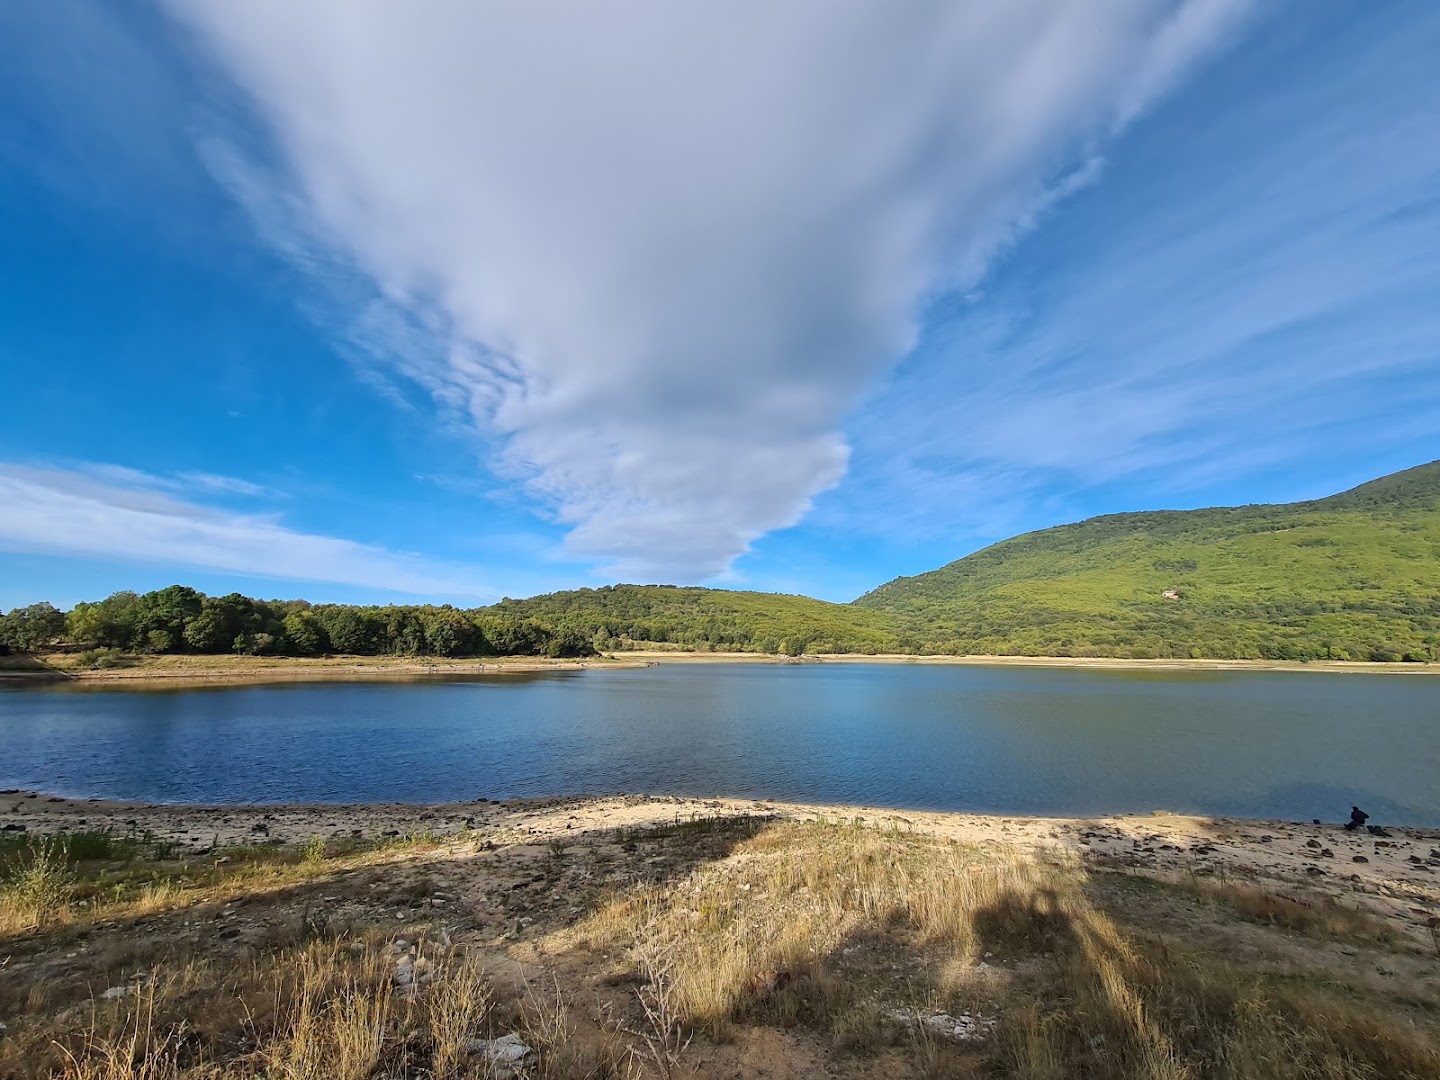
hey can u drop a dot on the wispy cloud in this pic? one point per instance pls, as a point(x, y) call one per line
point(1265, 299)
point(659, 252)
point(183, 482)
point(118, 514)
point(212, 482)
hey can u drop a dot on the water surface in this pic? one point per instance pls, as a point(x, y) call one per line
point(1013, 740)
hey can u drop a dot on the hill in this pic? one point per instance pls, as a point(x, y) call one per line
point(1353, 576)
point(626, 616)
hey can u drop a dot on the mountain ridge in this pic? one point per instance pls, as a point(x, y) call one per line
point(1355, 575)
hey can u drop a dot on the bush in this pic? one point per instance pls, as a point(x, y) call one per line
point(106, 657)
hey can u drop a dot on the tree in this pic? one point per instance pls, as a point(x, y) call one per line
point(29, 628)
point(348, 630)
point(209, 632)
point(303, 634)
point(448, 633)
point(112, 623)
point(163, 615)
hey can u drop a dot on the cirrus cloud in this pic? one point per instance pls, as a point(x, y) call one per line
point(657, 253)
point(117, 513)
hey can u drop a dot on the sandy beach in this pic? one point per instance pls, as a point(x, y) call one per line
point(174, 670)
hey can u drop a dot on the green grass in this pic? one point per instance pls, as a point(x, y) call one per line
point(88, 845)
point(1352, 577)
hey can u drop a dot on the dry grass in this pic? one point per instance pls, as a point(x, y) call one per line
point(1312, 914)
point(83, 878)
point(764, 937)
point(324, 1012)
point(792, 896)
point(849, 935)
point(36, 889)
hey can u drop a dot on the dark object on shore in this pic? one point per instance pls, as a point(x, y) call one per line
point(1376, 830)
point(1358, 818)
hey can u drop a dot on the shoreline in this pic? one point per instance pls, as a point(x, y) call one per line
point(933, 935)
point(1398, 873)
point(1099, 663)
point(177, 669)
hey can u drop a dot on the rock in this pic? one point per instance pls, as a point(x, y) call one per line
point(962, 1028)
point(1358, 858)
point(115, 993)
point(1312, 843)
point(13, 827)
point(1326, 853)
point(505, 1056)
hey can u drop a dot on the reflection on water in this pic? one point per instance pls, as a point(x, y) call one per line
point(1015, 740)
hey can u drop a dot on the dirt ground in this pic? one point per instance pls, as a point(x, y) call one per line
point(528, 893)
point(1397, 875)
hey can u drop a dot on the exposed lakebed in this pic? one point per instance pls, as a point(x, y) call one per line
point(999, 739)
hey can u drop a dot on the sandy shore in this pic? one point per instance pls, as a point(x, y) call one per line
point(1398, 874)
point(224, 669)
point(1099, 663)
point(174, 670)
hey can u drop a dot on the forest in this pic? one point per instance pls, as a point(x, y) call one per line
point(1355, 576)
point(178, 619)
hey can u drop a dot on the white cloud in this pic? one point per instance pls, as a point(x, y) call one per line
point(1256, 293)
point(213, 482)
point(210, 483)
point(115, 513)
point(660, 251)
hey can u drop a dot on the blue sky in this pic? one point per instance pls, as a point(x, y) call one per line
point(318, 300)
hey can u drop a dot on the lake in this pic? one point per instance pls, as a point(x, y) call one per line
point(1029, 741)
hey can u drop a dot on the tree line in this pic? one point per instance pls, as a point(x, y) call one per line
point(179, 619)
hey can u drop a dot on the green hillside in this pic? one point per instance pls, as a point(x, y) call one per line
point(624, 616)
point(1352, 577)
point(1355, 576)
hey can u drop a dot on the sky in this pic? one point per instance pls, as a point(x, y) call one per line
point(357, 301)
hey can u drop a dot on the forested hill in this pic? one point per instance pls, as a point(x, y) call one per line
point(622, 616)
point(1353, 576)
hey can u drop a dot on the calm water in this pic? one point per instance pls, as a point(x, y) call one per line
point(1024, 741)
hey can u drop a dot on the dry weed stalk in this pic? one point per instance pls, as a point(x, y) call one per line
point(664, 1036)
point(331, 1022)
point(458, 1006)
